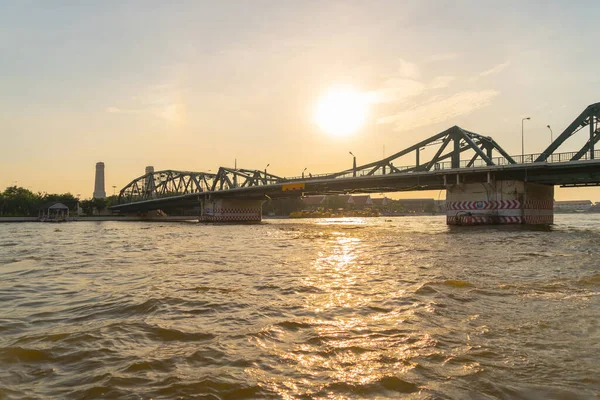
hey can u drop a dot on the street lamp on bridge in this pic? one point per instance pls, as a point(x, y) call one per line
point(523, 140)
point(303, 172)
point(353, 164)
point(551, 139)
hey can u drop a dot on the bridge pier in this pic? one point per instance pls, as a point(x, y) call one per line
point(231, 210)
point(499, 202)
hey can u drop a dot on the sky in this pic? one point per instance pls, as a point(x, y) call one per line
point(194, 85)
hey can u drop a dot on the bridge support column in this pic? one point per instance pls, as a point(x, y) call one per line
point(227, 210)
point(499, 202)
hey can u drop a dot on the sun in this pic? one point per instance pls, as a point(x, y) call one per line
point(341, 111)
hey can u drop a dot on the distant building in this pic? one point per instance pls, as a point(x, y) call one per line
point(572, 205)
point(99, 191)
point(313, 203)
point(360, 202)
point(149, 187)
point(345, 199)
point(418, 205)
point(595, 208)
point(381, 203)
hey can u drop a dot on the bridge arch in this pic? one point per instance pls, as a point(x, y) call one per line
point(171, 183)
point(166, 183)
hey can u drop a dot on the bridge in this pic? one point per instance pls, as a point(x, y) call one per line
point(478, 174)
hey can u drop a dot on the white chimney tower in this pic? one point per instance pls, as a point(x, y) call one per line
point(99, 192)
point(149, 184)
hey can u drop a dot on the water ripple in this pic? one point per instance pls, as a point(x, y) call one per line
point(354, 308)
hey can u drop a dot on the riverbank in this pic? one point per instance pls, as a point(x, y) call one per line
point(174, 218)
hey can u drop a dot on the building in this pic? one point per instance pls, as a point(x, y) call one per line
point(572, 205)
point(361, 202)
point(335, 202)
point(313, 203)
point(418, 205)
point(149, 181)
point(381, 203)
point(99, 190)
point(55, 212)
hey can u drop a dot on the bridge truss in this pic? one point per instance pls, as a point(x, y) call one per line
point(166, 183)
point(171, 183)
point(449, 145)
point(589, 117)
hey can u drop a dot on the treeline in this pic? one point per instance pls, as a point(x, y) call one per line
point(20, 202)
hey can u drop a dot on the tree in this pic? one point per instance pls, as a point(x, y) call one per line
point(89, 205)
point(66, 198)
point(19, 202)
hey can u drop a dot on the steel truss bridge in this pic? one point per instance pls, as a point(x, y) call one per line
point(460, 156)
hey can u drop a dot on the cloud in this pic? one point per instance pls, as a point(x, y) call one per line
point(164, 100)
point(176, 112)
point(495, 70)
point(440, 109)
point(396, 90)
point(404, 86)
point(440, 82)
point(408, 70)
point(116, 110)
point(444, 57)
point(173, 112)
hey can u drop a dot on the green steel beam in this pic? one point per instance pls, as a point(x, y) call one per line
point(593, 110)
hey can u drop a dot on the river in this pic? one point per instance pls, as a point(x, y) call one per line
point(402, 307)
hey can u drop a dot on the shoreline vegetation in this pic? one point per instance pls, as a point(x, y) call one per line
point(18, 201)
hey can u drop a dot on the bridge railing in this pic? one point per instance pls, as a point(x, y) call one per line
point(556, 157)
point(445, 165)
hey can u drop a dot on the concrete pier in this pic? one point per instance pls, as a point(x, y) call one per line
point(231, 210)
point(499, 202)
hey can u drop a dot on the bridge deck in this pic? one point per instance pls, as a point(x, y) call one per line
point(572, 173)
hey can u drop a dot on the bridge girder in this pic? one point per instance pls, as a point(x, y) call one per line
point(463, 140)
point(171, 183)
point(589, 117)
point(165, 183)
point(232, 178)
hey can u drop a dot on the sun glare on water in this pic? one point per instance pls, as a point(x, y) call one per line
point(341, 111)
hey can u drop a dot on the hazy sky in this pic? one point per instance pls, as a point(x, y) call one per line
point(194, 85)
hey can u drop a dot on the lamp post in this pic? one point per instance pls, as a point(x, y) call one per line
point(551, 139)
point(523, 140)
point(303, 172)
point(353, 164)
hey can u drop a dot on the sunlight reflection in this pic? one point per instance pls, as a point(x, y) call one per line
point(335, 274)
point(352, 337)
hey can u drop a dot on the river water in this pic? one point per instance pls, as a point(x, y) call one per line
point(352, 308)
